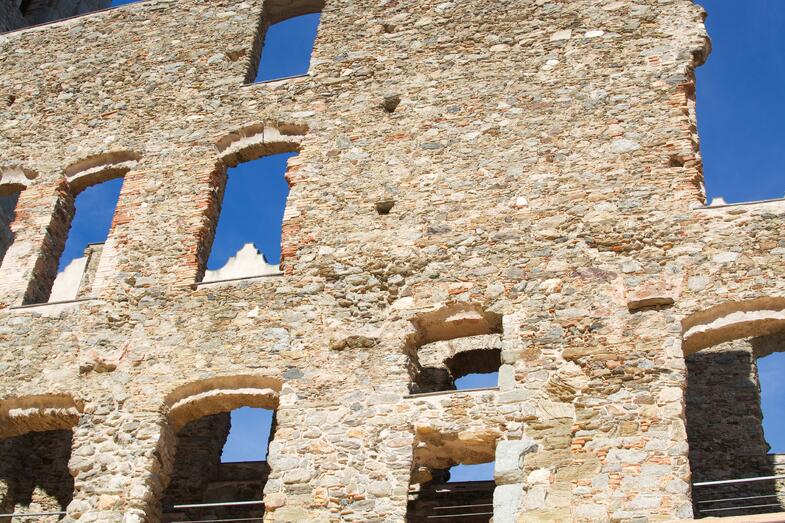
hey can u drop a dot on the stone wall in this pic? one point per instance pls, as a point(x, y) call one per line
point(544, 168)
point(44, 11)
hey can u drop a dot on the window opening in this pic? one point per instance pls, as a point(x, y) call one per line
point(92, 219)
point(457, 493)
point(287, 48)
point(771, 369)
point(220, 459)
point(249, 436)
point(7, 215)
point(735, 426)
point(457, 347)
point(250, 221)
point(34, 469)
point(478, 472)
point(452, 478)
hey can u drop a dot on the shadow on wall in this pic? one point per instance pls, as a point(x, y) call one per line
point(34, 468)
point(7, 208)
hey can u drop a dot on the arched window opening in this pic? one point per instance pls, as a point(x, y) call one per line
point(288, 41)
point(34, 475)
point(221, 459)
point(91, 216)
point(220, 468)
point(248, 235)
point(7, 214)
point(728, 405)
point(474, 369)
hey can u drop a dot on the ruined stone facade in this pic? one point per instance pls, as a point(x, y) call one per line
point(522, 176)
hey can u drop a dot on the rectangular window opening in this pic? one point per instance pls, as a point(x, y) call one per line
point(734, 415)
point(288, 45)
point(247, 241)
point(459, 493)
point(77, 266)
point(35, 469)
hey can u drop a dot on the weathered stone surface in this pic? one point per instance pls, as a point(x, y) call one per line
point(543, 161)
point(509, 465)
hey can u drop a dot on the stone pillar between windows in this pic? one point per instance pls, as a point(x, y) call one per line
point(121, 463)
point(43, 217)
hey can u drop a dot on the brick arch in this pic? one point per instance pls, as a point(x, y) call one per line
point(254, 141)
point(732, 321)
point(99, 168)
point(41, 413)
point(220, 394)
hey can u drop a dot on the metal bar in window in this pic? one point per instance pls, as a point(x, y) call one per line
point(729, 481)
point(222, 520)
point(463, 506)
point(461, 515)
point(737, 499)
point(31, 514)
point(745, 507)
point(226, 504)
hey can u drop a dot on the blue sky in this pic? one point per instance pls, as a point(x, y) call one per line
point(741, 117)
point(741, 114)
